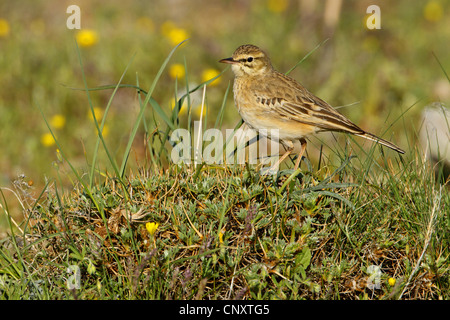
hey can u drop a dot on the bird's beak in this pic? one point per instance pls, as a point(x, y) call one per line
point(229, 61)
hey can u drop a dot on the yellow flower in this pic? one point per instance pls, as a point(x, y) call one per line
point(47, 140)
point(98, 114)
point(173, 33)
point(277, 5)
point(221, 237)
point(166, 27)
point(4, 28)
point(176, 71)
point(177, 35)
point(151, 227)
point(391, 282)
point(58, 121)
point(87, 38)
point(433, 11)
point(208, 74)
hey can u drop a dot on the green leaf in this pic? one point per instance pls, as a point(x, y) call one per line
point(303, 258)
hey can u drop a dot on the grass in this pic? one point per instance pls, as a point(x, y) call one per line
point(339, 231)
point(230, 234)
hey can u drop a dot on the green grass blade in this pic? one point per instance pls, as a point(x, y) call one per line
point(141, 112)
point(100, 130)
point(219, 118)
point(305, 57)
point(442, 67)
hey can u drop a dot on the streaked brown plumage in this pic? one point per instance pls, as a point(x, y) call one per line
point(268, 99)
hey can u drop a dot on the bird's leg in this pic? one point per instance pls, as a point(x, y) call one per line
point(300, 155)
point(289, 146)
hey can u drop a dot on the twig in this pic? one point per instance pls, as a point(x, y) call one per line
point(197, 148)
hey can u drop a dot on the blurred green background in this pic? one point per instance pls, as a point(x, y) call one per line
point(378, 74)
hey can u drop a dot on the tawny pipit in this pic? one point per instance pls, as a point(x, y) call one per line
point(268, 99)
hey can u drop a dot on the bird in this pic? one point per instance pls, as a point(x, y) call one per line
point(268, 99)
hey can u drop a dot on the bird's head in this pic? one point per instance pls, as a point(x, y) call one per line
point(249, 60)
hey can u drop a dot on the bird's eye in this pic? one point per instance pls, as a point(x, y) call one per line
point(249, 59)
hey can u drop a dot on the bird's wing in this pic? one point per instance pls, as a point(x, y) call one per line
point(290, 100)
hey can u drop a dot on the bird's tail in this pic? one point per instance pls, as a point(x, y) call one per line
point(386, 143)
